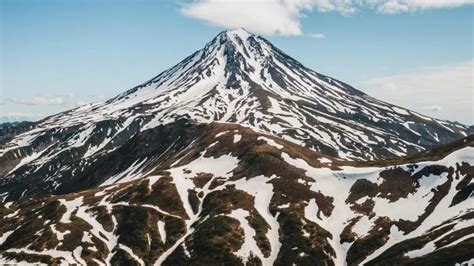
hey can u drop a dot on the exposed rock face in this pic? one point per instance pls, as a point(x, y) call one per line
point(237, 196)
point(237, 155)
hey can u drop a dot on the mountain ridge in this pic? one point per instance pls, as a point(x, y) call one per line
point(274, 94)
point(170, 95)
point(238, 155)
point(300, 207)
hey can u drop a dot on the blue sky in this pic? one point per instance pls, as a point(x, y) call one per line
point(57, 54)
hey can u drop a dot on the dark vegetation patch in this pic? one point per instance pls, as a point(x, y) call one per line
point(103, 217)
point(100, 253)
point(253, 261)
point(122, 258)
point(137, 229)
point(289, 190)
point(212, 243)
point(451, 237)
point(432, 154)
point(32, 258)
point(297, 248)
point(218, 181)
point(395, 254)
point(194, 200)
point(226, 200)
point(77, 227)
point(467, 216)
point(360, 189)
point(28, 225)
point(163, 194)
point(365, 208)
point(261, 228)
point(465, 187)
point(347, 235)
point(178, 257)
point(447, 256)
point(201, 179)
point(438, 194)
point(397, 183)
point(175, 228)
point(366, 245)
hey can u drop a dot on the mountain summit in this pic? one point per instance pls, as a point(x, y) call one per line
point(239, 78)
point(238, 155)
point(242, 78)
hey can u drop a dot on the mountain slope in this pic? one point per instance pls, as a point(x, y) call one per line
point(242, 78)
point(237, 155)
point(243, 197)
point(236, 78)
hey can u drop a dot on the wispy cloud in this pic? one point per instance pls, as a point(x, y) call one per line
point(317, 35)
point(433, 108)
point(399, 6)
point(25, 108)
point(19, 116)
point(37, 101)
point(444, 91)
point(66, 100)
point(283, 17)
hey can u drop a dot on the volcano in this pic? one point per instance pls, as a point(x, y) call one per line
point(239, 154)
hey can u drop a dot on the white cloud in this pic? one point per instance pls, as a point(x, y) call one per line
point(283, 17)
point(34, 108)
point(317, 35)
point(445, 92)
point(65, 100)
point(37, 101)
point(19, 116)
point(24, 114)
point(433, 108)
point(259, 16)
point(399, 6)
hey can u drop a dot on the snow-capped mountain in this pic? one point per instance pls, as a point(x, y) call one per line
point(236, 78)
point(237, 155)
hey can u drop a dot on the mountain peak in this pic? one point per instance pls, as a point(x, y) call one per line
point(242, 78)
point(236, 37)
point(242, 144)
point(240, 32)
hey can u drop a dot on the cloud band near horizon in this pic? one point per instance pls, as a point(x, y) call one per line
point(283, 17)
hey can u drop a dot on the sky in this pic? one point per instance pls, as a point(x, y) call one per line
point(59, 54)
